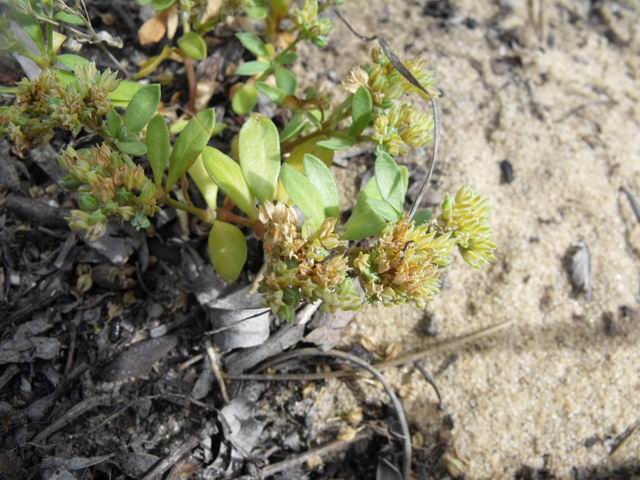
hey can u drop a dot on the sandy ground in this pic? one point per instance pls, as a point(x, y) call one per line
point(559, 387)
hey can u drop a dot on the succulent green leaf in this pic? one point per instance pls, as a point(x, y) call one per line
point(87, 202)
point(228, 175)
point(286, 80)
point(71, 60)
point(69, 18)
point(361, 111)
point(389, 180)
point(286, 58)
point(193, 45)
point(158, 147)
point(189, 145)
point(124, 92)
point(113, 123)
point(134, 148)
point(227, 250)
point(291, 129)
point(321, 178)
point(255, 67)
point(256, 9)
point(338, 141)
point(423, 216)
point(253, 43)
point(244, 99)
point(303, 194)
point(259, 152)
point(274, 94)
point(159, 5)
point(208, 188)
point(141, 108)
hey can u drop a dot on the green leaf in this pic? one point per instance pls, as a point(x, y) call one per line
point(189, 145)
point(208, 188)
point(293, 127)
point(273, 93)
point(303, 194)
point(286, 58)
point(228, 175)
point(286, 80)
point(364, 221)
point(71, 61)
point(31, 26)
point(256, 9)
point(361, 111)
point(383, 209)
point(259, 151)
point(227, 250)
point(193, 45)
point(321, 178)
point(244, 99)
point(159, 5)
point(338, 141)
point(249, 69)
point(152, 63)
point(69, 18)
point(113, 123)
point(423, 216)
point(253, 43)
point(123, 94)
point(141, 108)
point(133, 147)
point(158, 147)
point(389, 181)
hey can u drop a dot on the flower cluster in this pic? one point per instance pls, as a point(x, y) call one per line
point(403, 265)
point(401, 127)
point(466, 218)
point(299, 266)
point(311, 26)
point(109, 184)
point(398, 126)
point(47, 103)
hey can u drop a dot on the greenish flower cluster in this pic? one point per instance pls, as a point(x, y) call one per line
point(311, 26)
point(466, 218)
point(301, 267)
point(398, 126)
point(48, 102)
point(109, 184)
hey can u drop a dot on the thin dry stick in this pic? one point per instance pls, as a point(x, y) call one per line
point(214, 358)
point(405, 359)
point(435, 110)
point(404, 426)
point(296, 460)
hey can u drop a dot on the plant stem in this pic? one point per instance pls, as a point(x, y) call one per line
point(191, 79)
point(203, 215)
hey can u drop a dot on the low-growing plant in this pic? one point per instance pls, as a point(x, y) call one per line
point(274, 184)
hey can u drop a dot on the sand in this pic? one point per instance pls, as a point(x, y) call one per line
point(560, 386)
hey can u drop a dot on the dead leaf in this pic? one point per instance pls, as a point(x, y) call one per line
point(153, 29)
point(213, 8)
point(172, 21)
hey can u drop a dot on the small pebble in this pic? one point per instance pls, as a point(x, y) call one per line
point(506, 172)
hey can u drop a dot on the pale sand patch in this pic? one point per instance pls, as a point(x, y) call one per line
point(556, 384)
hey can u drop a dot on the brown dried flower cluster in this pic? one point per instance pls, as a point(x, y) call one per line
point(109, 185)
point(305, 267)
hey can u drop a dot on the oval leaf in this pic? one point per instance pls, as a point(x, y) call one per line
point(208, 188)
point(361, 111)
point(321, 178)
point(227, 174)
point(71, 60)
point(189, 145)
point(158, 147)
point(193, 45)
point(227, 250)
point(303, 194)
point(259, 151)
point(286, 80)
point(249, 69)
point(244, 99)
point(253, 43)
point(133, 147)
point(272, 93)
point(389, 180)
point(141, 108)
point(70, 18)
